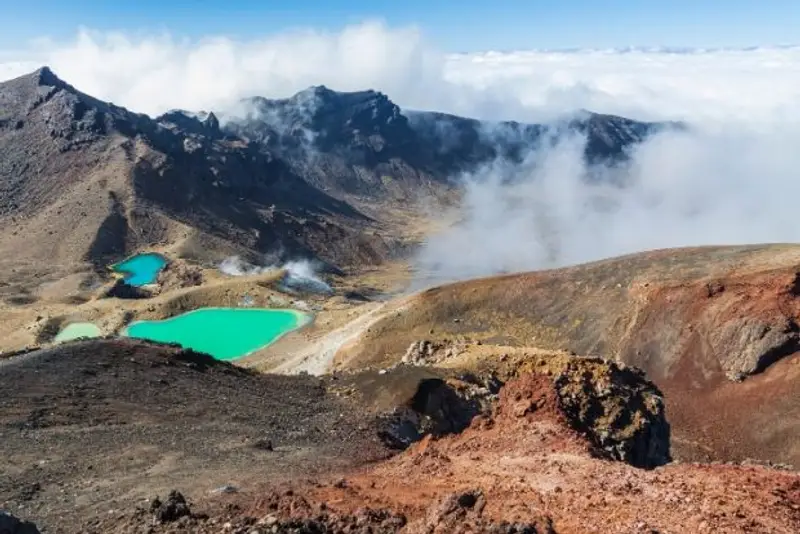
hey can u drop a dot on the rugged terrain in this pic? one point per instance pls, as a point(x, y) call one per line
point(715, 328)
point(91, 428)
point(92, 431)
point(341, 177)
point(86, 181)
point(506, 404)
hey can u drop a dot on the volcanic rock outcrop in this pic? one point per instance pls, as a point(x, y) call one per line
point(715, 329)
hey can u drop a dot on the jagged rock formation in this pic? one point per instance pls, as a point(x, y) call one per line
point(83, 180)
point(170, 510)
point(617, 408)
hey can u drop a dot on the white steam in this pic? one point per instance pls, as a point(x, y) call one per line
point(300, 275)
point(236, 266)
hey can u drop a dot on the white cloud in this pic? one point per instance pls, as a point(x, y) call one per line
point(153, 73)
point(707, 187)
point(757, 84)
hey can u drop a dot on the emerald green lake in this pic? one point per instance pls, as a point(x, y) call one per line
point(224, 333)
point(77, 331)
point(141, 269)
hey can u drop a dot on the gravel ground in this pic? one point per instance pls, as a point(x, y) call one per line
point(92, 428)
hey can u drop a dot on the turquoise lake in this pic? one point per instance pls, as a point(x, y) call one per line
point(141, 269)
point(224, 333)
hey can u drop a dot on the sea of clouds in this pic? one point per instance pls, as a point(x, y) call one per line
point(155, 73)
point(732, 178)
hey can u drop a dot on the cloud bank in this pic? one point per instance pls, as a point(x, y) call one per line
point(707, 187)
point(155, 73)
point(732, 179)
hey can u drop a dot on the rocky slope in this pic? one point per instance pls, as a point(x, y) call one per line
point(92, 427)
point(715, 328)
point(83, 180)
point(526, 461)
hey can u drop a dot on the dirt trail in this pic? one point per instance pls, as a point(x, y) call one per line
point(317, 357)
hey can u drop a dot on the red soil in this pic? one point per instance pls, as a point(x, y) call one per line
point(526, 466)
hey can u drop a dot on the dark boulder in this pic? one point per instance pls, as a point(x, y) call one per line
point(13, 525)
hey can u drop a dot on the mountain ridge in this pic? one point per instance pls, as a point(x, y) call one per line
point(312, 174)
point(60, 138)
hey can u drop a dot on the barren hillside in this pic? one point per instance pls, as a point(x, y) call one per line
point(85, 181)
point(716, 328)
point(93, 431)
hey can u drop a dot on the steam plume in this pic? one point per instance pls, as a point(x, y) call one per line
point(301, 275)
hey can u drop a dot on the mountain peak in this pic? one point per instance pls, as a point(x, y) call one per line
point(45, 76)
point(325, 95)
point(41, 77)
point(319, 90)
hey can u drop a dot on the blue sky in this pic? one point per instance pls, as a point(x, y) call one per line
point(464, 25)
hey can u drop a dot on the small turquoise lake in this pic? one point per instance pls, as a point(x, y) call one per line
point(141, 269)
point(75, 331)
point(224, 333)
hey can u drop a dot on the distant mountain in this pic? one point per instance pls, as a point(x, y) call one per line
point(85, 180)
point(347, 143)
point(375, 138)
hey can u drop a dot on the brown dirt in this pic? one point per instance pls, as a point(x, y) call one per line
point(527, 465)
point(89, 428)
point(522, 468)
point(693, 319)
